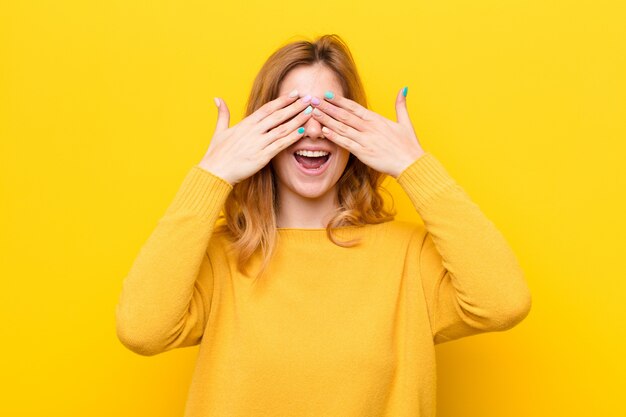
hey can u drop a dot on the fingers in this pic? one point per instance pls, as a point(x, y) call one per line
point(281, 143)
point(223, 115)
point(288, 127)
point(342, 115)
point(348, 105)
point(337, 126)
point(346, 143)
point(281, 115)
point(270, 107)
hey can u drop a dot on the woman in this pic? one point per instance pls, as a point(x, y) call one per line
point(309, 298)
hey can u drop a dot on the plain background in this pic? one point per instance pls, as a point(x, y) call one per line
point(105, 106)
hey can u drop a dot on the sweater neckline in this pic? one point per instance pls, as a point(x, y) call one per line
point(300, 229)
point(318, 235)
point(316, 229)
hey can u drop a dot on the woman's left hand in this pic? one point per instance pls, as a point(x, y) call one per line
point(383, 144)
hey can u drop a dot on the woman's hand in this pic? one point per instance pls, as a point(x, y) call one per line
point(238, 152)
point(383, 144)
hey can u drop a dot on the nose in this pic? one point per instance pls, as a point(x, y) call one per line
point(313, 129)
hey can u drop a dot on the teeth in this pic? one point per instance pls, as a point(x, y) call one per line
point(312, 153)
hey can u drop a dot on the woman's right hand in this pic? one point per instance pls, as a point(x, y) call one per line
point(238, 152)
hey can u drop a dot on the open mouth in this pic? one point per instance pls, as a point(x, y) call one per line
point(311, 162)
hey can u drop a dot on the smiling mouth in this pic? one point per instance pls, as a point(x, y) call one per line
point(308, 162)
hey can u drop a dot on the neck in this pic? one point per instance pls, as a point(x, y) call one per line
point(297, 211)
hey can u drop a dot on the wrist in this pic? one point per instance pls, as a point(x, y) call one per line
point(417, 155)
point(207, 167)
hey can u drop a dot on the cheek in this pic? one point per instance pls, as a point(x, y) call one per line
point(343, 157)
point(281, 160)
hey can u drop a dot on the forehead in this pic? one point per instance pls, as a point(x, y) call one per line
point(310, 79)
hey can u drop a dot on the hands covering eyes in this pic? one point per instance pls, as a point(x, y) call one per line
point(237, 152)
point(387, 146)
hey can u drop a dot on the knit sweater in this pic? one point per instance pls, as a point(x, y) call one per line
point(328, 331)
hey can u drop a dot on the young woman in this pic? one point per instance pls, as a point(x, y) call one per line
point(307, 297)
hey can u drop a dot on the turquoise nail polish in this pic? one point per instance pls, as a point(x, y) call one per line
point(301, 130)
point(405, 91)
point(308, 110)
point(329, 95)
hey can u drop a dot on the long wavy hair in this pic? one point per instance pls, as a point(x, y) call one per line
point(250, 210)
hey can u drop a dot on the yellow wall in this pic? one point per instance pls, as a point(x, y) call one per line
point(104, 106)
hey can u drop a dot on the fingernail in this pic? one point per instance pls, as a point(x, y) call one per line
point(325, 129)
point(306, 98)
point(308, 110)
point(315, 101)
point(301, 130)
point(293, 93)
point(317, 112)
point(405, 91)
point(329, 95)
point(217, 101)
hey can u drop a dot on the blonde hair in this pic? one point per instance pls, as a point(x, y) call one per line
point(251, 207)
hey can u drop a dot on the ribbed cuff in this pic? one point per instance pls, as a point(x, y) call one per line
point(424, 180)
point(201, 193)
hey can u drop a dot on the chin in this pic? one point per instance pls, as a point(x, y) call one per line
point(311, 191)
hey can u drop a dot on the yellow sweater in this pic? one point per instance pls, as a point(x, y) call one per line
point(332, 331)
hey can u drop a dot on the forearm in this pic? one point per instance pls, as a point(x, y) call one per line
point(471, 275)
point(162, 296)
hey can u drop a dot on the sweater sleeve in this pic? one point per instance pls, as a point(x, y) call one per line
point(471, 278)
point(166, 295)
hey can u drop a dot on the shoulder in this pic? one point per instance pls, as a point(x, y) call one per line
point(401, 231)
point(404, 227)
point(220, 242)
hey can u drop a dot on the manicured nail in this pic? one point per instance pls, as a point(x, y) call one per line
point(405, 91)
point(317, 112)
point(315, 101)
point(301, 130)
point(293, 93)
point(306, 98)
point(329, 95)
point(217, 101)
point(308, 110)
